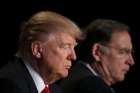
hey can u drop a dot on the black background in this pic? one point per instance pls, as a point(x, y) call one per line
point(12, 13)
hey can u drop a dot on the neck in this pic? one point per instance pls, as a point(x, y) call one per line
point(48, 76)
point(50, 79)
point(103, 73)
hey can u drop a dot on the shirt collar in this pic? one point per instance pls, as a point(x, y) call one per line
point(40, 85)
point(90, 68)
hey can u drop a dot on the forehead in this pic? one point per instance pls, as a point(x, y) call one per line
point(121, 39)
point(62, 37)
point(65, 37)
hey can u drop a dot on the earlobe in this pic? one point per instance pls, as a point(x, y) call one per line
point(35, 47)
point(96, 52)
point(38, 55)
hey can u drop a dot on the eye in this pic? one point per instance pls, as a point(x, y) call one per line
point(65, 46)
point(125, 51)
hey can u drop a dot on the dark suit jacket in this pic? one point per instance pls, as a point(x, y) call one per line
point(15, 78)
point(82, 80)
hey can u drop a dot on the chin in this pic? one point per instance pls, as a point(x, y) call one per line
point(64, 75)
point(119, 79)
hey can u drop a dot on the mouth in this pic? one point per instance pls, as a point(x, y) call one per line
point(126, 70)
point(68, 67)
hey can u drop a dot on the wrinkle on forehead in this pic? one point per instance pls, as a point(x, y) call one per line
point(121, 39)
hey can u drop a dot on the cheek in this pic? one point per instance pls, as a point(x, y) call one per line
point(116, 66)
point(56, 60)
point(57, 63)
point(60, 69)
point(117, 70)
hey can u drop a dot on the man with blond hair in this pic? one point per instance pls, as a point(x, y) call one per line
point(45, 53)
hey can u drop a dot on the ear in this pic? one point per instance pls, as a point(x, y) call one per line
point(36, 49)
point(96, 52)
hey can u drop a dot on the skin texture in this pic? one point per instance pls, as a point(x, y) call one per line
point(117, 59)
point(57, 54)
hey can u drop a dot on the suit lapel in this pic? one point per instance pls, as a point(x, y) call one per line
point(27, 79)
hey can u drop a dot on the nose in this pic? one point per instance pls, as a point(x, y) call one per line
point(131, 60)
point(73, 54)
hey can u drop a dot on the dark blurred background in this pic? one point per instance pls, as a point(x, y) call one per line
point(13, 13)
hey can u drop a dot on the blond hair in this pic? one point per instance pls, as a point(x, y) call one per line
point(44, 22)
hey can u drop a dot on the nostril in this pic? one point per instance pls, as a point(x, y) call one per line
point(74, 56)
point(131, 60)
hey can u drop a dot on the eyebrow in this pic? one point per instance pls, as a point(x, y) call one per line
point(128, 50)
point(119, 48)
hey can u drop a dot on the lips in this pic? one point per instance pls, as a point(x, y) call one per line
point(68, 64)
point(126, 70)
point(68, 67)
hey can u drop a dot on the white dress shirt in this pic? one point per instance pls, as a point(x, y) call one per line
point(39, 83)
point(90, 68)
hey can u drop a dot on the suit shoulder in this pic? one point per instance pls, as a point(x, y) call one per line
point(7, 86)
point(93, 84)
point(55, 88)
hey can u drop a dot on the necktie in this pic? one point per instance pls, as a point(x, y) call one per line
point(46, 89)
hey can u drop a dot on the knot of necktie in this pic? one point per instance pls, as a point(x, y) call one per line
point(46, 89)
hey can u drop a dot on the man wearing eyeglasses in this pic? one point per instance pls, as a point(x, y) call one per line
point(106, 56)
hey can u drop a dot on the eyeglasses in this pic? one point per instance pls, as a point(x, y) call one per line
point(121, 51)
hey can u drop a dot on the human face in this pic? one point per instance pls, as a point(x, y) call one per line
point(57, 55)
point(118, 59)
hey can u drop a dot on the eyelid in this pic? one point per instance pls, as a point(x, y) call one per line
point(123, 50)
point(127, 51)
point(64, 45)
